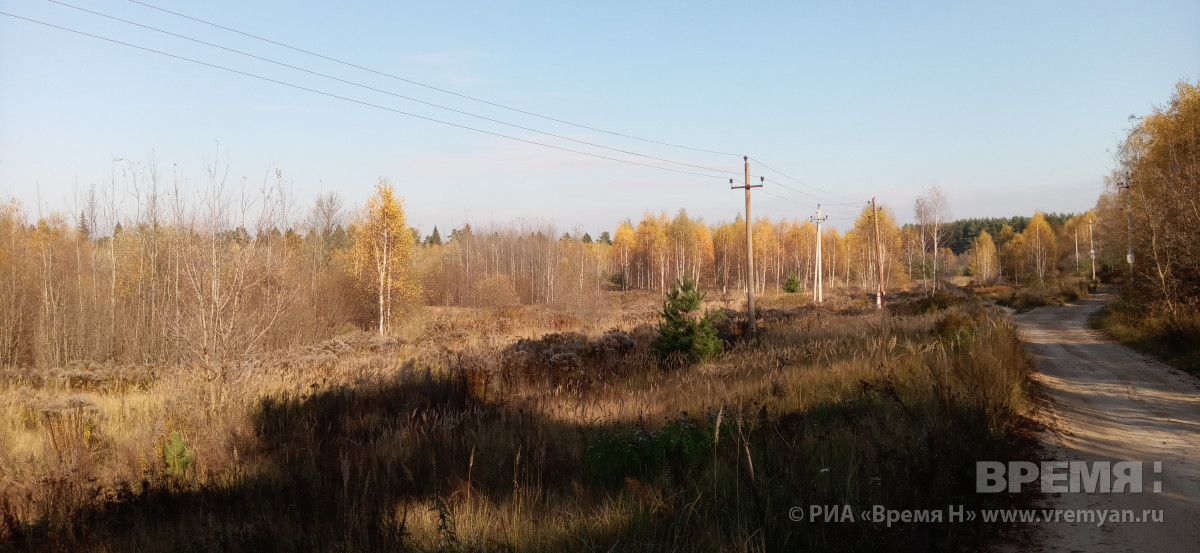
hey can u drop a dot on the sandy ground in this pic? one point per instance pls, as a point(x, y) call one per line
point(1106, 402)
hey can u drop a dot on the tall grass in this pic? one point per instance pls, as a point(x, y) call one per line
point(1173, 338)
point(571, 441)
point(1024, 299)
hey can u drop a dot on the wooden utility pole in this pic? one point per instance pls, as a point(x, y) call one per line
point(752, 328)
point(1092, 248)
point(878, 255)
point(818, 293)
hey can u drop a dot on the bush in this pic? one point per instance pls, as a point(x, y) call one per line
point(940, 301)
point(792, 285)
point(496, 292)
point(176, 455)
point(1025, 299)
point(1174, 340)
point(682, 330)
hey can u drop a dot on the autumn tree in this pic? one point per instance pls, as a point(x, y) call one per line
point(861, 245)
point(1159, 162)
point(766, 254)
point(932, 211)
point(625, 244)
point(983, 258)
point(729, 245)
point(651, 236)
point(799, 248)
point(1040, 246)
point(383, 248)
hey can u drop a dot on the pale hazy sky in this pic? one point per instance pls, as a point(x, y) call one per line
point(1009, 106)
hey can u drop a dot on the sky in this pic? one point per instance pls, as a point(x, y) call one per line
point(1010, 106)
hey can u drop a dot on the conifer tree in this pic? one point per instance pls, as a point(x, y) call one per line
point(683, 330)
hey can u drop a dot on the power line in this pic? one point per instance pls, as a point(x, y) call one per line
point(786, 199)
point(361, 102)
point(628, 152)
point(431, 87)
point(798, 181)
point(824, 201)
point(367, 87)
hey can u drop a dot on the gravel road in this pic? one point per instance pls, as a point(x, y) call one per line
point(1106, 402)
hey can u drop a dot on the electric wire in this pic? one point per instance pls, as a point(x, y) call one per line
point(431, 87)
point(798, 181)
point(472, 98)
point(786, 199)
point(824, 200)
point(361, 102)
point(382, 91)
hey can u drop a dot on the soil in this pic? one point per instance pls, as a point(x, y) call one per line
point(1106, 402)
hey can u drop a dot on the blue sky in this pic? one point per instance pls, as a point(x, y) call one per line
point(1009, 106)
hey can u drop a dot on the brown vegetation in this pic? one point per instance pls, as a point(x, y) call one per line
point(454, 434)
point(1151, 199)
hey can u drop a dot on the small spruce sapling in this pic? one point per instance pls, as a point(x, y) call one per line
point(683, 329)
point(792, 285)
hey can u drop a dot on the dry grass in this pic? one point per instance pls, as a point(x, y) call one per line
point(521, 429)
point(1152, 329)
point(1024, 299)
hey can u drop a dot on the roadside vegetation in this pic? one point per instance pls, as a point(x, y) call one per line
point(1025, 298)
point(1153, 190)
point(1174, 339)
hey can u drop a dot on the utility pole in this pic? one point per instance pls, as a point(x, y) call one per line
point(752, 328)
point(878, 255)
point(1092, 247)
point(818, 293)
point(1129, 218)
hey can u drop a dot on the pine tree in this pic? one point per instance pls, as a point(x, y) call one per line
point(792, 285)
point(85, 229)
point(683, 330)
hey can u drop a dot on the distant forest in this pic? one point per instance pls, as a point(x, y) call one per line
point(962, 232)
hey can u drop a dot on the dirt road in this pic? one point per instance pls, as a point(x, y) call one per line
point(1107, 402)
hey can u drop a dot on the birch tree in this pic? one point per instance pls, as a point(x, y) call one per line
point(932, 211)
point(983, 260)
point(383, 241)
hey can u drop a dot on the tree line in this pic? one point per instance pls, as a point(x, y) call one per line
point(204, 276)
point(201, 276)
point(1150, 203)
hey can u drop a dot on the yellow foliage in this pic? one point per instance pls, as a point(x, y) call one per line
point(383, 250)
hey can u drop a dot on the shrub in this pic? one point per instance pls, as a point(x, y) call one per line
point(496, 292)
point(940, 301)
point(792, 285)
point(176, 455)
point(682, 330)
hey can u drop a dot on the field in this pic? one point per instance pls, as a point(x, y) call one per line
point(526, 429)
